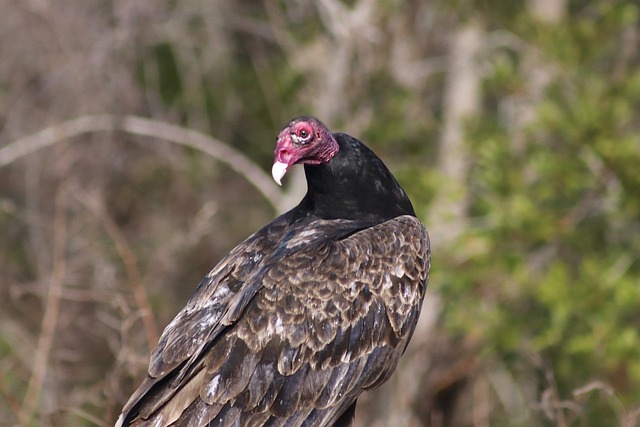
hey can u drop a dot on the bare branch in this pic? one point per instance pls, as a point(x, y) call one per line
point(129, 260)
point(12, 403)
point(51, 310)
point(151, 128)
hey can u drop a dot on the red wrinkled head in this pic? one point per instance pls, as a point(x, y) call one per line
point(303, 140)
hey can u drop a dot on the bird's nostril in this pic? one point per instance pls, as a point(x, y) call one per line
point(283, 155)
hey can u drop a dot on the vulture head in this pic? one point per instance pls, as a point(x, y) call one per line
point(304, 140)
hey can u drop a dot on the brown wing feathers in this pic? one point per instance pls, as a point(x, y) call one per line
point(327, 320)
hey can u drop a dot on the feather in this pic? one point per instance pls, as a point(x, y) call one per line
point(287, 401)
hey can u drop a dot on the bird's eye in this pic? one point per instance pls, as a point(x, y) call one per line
point(303, 136)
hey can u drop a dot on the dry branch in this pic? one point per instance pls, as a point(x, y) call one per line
point(151, 128)
point(129, 260)
point(51, 311)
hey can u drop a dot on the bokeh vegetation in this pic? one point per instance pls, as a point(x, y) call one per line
point(514, 127)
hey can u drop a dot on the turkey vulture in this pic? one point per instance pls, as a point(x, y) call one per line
point(305, 314)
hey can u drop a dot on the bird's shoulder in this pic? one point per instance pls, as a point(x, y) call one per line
point(338, 297)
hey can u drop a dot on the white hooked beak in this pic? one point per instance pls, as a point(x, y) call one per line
point(278, 170)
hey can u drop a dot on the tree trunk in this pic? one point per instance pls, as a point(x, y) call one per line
point(448, 216)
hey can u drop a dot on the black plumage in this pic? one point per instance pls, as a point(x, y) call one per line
point(305, 314)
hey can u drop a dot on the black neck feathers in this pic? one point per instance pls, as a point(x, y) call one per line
point(354, 185)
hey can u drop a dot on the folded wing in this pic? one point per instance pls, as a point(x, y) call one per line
point(293, 334)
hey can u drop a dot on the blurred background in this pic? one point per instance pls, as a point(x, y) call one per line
point(136, 138)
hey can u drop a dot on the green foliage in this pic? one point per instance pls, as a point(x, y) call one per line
point(552, 264)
